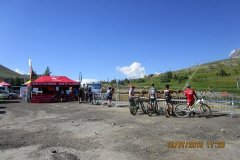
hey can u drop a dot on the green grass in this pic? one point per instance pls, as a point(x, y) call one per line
point(7, 73)
point(205, 79)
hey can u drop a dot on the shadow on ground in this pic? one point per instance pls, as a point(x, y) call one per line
point(2, 112)
point(2, 107)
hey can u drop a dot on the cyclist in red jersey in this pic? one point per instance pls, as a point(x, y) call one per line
point(190, 93)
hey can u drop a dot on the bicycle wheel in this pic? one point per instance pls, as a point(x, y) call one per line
point(160, 108)
point(133, 108)
point(148, 109)
point(181, 110)
point(156, 108)
point(144, 109)
point(205, 111)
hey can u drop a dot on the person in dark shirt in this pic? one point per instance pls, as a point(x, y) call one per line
point(109, 96)
point(168, 98)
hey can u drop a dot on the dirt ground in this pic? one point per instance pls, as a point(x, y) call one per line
point(73, 131)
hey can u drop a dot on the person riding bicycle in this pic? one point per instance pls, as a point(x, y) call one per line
point(152, 93)
point(190, 94)
point(131, 93)
point(168, 98)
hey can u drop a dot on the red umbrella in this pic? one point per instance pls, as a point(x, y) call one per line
point(4, 84)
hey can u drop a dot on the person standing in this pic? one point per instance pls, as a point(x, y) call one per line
point(152, 93)
point(62, 95)
point(85, 96)
point(76, 93)
point(90, 95)
point(81, 95)
point(109, 96)
point(190, 96)
point(29, 94)
point(168, 98)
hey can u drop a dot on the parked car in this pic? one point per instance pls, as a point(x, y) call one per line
point(16, 89)
point(5, 88)
point(7, 95)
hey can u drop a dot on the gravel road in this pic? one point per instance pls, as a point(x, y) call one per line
point(72, 131)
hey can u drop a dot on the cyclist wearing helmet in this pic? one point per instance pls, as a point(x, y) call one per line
point(152, 93)
point(168, 97)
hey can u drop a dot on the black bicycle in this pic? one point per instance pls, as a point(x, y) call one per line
point(152, 107)
point(135, 104)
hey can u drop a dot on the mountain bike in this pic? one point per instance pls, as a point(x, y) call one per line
point(183, 110)
point(152, 107)
point(135, 104)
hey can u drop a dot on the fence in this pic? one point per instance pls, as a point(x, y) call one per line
point(224, 104)
point(219, 103)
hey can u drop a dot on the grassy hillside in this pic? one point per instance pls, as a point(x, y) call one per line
point(6, 73)
point(215, 76)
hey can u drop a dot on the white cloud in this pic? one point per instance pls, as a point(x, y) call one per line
point(19, 71)
point(135, 70)
point(84, 81)
point(235, 51)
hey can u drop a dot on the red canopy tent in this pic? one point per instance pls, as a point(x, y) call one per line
point(50, 83)
point(54, 81)
point(4, 84)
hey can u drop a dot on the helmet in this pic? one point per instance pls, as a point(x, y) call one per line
point(188, 86)
point(132, 86)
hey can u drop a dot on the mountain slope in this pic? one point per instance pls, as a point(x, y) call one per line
point(216, 76)
point(8, 73)
point(235, 53)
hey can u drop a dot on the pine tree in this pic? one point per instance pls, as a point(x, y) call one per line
point(47, 72)
point(34, 75)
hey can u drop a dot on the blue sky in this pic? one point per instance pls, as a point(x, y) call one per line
point(99, 37)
